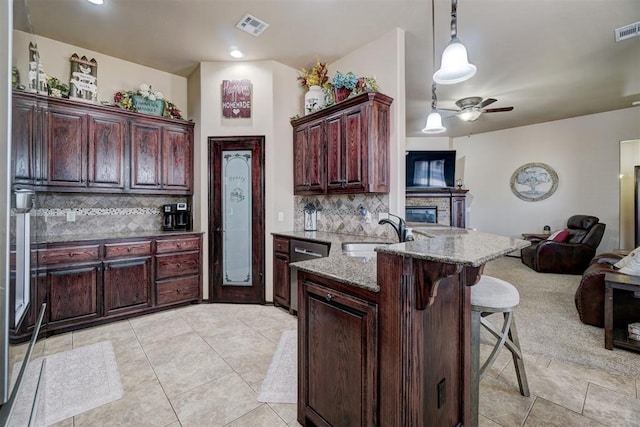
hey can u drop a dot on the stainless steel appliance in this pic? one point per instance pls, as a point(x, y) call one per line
point(302, 250)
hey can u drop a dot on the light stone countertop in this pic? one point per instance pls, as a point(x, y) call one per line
point(436, 243)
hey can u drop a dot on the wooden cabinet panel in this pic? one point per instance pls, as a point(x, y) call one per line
point(308, 157)
point(337, 377)
point(118, 250)
point(73, 293)
point(177, 157)
point(127, 285)
point(25, 120)
point(177, 264)
point(281, 280)
point(146, 141)
point(335, 169)
point(281, 244)
point(178, 290)
point(68, 254)
point(177, 245)
point(354, 151)
point(106, 151)
point(66, 146)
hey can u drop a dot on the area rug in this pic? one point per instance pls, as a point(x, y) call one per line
point(548, 322)
point(75, 381)
point(281, 382)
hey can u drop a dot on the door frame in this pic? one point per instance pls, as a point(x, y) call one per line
point(236, 294)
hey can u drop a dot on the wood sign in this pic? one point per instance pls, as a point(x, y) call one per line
point(83, 84)
point(236, 99)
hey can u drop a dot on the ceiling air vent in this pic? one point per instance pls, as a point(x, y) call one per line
point(628, 31)
point(252, 25)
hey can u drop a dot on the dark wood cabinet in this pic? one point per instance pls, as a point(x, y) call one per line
point(178, 270)
point(73, 293)
point(344, 148)
point(337, 381)
point(67, 146)
point(281, 273)
point(309, 174)
point(127, 277)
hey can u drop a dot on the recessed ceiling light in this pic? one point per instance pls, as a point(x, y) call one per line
point(235, 52)
point(96, 1)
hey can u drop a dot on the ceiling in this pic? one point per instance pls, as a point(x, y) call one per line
point(549, 59)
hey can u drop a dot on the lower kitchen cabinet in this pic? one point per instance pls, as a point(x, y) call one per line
point(337, 378)
point(73, 293)
point(90, 283)
point(281, 273)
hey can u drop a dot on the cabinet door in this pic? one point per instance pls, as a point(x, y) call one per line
point(355, 154)
point(127, 285)
point(281, 280)
point(458, 208)
point(106, 151)
point(23, 138)
point(335, 153)
point(66, 139)
point(145, 155)
point(308, 152)
point(177, 159)
point(337, 378)
point(73, 293)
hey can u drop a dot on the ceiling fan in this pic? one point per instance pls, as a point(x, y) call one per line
point(472, 107)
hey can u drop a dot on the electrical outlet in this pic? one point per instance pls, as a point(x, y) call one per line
point(71, 216)
point(280, 216)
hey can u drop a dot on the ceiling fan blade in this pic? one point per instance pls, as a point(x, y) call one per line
point(497, 110)
point(447, 109)
point(486, 102)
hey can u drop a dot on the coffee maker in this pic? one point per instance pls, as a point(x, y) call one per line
point(176, 216)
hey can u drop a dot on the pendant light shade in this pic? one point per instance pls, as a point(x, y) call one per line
point(434, 123)
point(454, 67)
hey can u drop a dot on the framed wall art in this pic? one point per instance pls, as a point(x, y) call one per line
point(534, 181)
point(236, 99)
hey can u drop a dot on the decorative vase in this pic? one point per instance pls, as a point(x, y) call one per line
point(313, 99)
point(342, 93)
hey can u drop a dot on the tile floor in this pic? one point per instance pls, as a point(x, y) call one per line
point(202, 365)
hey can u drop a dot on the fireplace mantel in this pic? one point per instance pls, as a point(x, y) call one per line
point(453, 201)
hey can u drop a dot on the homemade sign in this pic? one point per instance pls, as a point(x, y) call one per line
point(236, 99)
point(83, 84)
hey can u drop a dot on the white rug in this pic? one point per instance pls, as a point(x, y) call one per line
point(281, 382)
point(75, 381)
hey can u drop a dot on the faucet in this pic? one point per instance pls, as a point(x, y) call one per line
point(400, 227)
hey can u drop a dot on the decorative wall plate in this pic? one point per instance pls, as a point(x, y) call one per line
point(534, 181)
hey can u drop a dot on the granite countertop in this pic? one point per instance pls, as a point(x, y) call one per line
point(107, 236)
point(437, 243)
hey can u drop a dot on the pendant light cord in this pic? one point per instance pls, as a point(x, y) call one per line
point(433, 54)
point(454, 19)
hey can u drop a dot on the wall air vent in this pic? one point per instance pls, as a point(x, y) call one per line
point(252, 25)
point(628, 31)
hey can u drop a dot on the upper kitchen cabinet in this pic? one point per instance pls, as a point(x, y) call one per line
point(67, 146)
point(351, 151)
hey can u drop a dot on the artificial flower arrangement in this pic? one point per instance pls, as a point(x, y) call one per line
point(315, 76)
point(56, 88)
point(124, 99)
point(348, 85)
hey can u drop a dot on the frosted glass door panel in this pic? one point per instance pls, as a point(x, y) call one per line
point(236, 221)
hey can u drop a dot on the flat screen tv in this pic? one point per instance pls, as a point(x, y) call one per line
point(430, 169)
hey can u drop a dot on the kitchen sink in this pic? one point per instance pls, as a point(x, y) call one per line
point(361, 249)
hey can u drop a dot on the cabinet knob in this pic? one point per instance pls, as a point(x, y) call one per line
point(178, 265)
point(329, 297)
point(178, 290)
point(71, 254)
point(128, 248)
point(178, 245)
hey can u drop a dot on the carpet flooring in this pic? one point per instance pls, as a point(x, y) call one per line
point(548, 322)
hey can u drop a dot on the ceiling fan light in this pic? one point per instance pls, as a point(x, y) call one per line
point(455, 67)
point(434, 123)
point(470, 115)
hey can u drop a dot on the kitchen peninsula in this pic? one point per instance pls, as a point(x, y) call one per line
point(391, 348)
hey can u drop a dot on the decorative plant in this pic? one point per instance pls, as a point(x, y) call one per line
point(124, 99)
point(56, 88)
point(315, 76)
point(347, 81)
point(367, 84)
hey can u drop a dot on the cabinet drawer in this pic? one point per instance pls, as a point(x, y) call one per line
point(177, 265)
point(175, 290)
point(177, 245)
point(68, 254)
point(281, 244)
point(116, 250)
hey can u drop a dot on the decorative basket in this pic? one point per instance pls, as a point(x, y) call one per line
point(342, 93)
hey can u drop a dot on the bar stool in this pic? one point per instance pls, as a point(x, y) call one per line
point(492, 295)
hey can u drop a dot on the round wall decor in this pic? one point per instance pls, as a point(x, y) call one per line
point(534, 181)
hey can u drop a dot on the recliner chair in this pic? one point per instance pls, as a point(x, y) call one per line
point(569, 257)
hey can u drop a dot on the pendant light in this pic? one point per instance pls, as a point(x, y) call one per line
point(434, 120)
point(454, 67)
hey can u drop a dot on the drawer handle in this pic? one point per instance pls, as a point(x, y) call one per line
point(178, 290)
point(329, 297)
point(71, 254)
point(178, 265)
point(179, 245)
point(128, 248)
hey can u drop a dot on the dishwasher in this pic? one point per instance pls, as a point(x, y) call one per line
point(303, 250)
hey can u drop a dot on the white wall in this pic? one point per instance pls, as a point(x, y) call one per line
point(276, 96)
point(113, 74)
point(584, 151)
point(384, 59)
point(629, 158)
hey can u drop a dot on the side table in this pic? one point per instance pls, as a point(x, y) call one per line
point(618, 336)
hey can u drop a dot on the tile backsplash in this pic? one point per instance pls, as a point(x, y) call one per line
point(98, 213)
point(341, 214)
